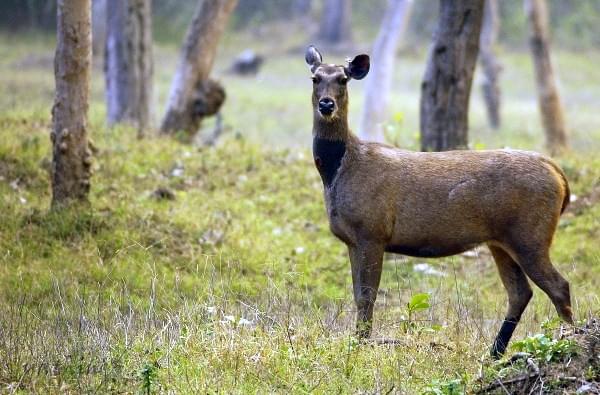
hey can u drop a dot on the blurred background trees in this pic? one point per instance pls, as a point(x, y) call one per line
point(128, 62)
point(549, 101)
point(336, 18)
point(341, 24)
point(490, 64)
point(193, 96)
point(574, 23)
point(375, 110)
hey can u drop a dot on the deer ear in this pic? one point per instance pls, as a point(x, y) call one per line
point(313, 58)
point(359, 67)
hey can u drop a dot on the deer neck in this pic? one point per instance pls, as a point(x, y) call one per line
point(330, 141)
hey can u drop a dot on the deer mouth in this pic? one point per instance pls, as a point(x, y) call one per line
point(326, 113)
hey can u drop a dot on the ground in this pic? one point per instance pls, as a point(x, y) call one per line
point(233, 282)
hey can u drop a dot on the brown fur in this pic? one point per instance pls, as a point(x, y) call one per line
point(435, 204)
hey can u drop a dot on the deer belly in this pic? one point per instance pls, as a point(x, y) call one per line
point(429, 250)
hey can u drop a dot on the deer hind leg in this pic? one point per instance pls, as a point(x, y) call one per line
point(366, 260)
point(519, 293)
point(538, 267)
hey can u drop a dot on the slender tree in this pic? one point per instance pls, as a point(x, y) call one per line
point(335, 22)
point(379, 81)
point(446, 86)
point(71, 156)
point(98, 29)
point(191, 90)
point(489, 62)
point(548, 97)
point(301, 7)
point(128, 62)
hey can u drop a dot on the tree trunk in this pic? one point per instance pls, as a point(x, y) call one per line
point(489, 62)
point(128, 63)
point(197, 58)
point(549, 101)
point(301, 8)
point(446, 86)
point(335, 22)
point(380, 79)
point(98, 28)
point(71, 156)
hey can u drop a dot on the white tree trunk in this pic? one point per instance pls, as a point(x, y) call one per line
point(98, 28)
point(489, 62)
point(128, 62)
point(197, 58)
point(549, 100)
point(71, 157)
point(375, 108)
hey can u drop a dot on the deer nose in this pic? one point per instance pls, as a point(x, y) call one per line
point(326, 106)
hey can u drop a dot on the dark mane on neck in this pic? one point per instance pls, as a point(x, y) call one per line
point(329, 146)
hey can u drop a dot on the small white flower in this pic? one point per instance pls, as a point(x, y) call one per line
point(211, 309)
point(277, 231)
point(245, 322)
point(299, 250)
point(255, 358)
point(229, 318)
point(22, 200)
point(177, 172)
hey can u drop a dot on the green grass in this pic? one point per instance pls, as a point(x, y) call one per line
point(237, 285)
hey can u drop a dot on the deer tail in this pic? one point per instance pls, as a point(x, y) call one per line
point(563, 180)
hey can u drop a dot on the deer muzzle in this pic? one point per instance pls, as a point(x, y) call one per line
point(326, 106)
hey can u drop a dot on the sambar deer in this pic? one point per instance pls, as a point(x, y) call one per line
point(434, 204)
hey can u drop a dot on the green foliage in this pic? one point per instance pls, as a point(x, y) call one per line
point(449, 387)
point(149, 373)
point(545, 348)
point(417, 303)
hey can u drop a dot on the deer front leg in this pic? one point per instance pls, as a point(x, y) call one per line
point(366, 260)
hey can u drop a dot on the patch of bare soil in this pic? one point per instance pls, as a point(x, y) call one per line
point(577, 374)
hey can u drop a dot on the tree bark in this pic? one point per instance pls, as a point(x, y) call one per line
point(549, 100)
point(446, 85)
point(489, 62)
point(71, 156)
point(335, 22)
point(380, 79)
point(128, 63)
point(197, 58)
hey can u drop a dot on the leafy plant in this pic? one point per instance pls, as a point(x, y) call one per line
point(551, 325)
point(417, 303)
point(149, 373)
point(545, 348)
point(450, 387)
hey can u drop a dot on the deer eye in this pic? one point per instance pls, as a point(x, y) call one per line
point(343, 80)
point(315, 79)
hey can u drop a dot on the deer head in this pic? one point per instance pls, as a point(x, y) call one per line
point(330, 96)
